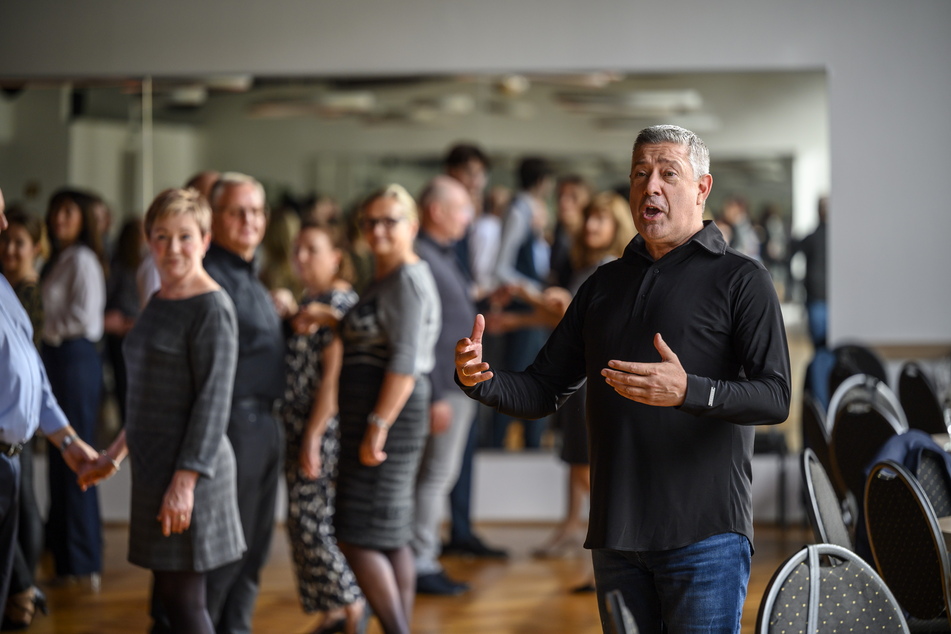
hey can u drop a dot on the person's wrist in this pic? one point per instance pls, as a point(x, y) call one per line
point(67, 442)
point(115, 463)
point(375, 419)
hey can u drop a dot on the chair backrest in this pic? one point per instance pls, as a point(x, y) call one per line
point(933, 477)
point(844, 388)
point(863, 421)
point(907, 543)
point(920, 400)
point(827, 588)
point(815, 436)
point(824, 509)
point(851, 359)
point(620, 619)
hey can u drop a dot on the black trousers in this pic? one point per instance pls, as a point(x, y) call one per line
point(9, 515)
point(29, 542)
point(74, 525)
point(258, 442)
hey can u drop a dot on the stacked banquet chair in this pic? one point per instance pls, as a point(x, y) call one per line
point(823, 504)
point(906, 541)
point(815, 436)
point(828, 588)
point(866, 414)
point(852, 359)
point(919, 399)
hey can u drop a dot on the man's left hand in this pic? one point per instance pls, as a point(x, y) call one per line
point(662, 384)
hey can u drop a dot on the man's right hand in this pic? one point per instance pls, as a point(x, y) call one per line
point(470, 368)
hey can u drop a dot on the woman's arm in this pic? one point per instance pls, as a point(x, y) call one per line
point(106, 465)
point(394, 393)
point(324, 408)
point(175, 514)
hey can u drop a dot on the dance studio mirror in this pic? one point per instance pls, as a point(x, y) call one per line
point(127, 139)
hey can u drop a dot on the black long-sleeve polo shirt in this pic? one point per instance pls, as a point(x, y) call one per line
point(260, 371)
point(665, 477)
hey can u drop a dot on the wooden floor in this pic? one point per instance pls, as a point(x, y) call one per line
point(520, 596)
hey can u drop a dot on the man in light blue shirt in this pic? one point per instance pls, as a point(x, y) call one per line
point(26, 402)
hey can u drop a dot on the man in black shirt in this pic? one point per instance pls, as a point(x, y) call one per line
point(239, 218)
point(683, 346)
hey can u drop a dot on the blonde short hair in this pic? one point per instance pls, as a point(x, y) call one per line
point(177, 202)
point(397, 193)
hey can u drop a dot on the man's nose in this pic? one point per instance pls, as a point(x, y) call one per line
point(654, 182)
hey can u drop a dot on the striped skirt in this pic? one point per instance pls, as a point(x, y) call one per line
point(375, 504)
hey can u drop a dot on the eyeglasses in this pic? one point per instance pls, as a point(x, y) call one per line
point(242, 212)
point(367, 225)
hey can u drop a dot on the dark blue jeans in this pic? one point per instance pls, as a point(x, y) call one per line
point(74, 526)
point(697, 588)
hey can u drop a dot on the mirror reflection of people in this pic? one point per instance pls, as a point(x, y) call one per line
point(813, 247)
point(605, 230)
point(683, 347)
point(74, 298)
point(181, 356)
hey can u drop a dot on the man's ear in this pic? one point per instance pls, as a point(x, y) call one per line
point(704, 185)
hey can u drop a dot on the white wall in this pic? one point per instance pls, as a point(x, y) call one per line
point(888, 81)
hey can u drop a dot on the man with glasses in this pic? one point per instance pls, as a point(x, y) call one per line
point(239, 218)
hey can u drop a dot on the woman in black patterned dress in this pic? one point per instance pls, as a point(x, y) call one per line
point(309, 411)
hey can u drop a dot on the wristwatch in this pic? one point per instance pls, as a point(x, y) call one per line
point(375, 419)
point(66, 442)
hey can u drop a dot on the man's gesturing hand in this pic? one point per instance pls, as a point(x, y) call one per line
point(662, 384)
point(469, 366)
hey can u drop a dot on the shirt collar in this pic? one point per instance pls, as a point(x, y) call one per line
point(233, 259)
point(425, 237)
point(708, 238)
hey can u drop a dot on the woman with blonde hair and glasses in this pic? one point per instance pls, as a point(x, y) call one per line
point(388, 340)
point(181, 356)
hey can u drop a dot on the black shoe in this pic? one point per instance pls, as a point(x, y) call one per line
point(437, 583)
point(474, 547)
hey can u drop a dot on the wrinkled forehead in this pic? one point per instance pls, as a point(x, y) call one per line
point(659, 153)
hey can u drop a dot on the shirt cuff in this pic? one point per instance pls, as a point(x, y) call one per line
point(701, 394)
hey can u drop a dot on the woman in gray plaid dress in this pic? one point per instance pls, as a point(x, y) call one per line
point(309, 410)
point(181, 357)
